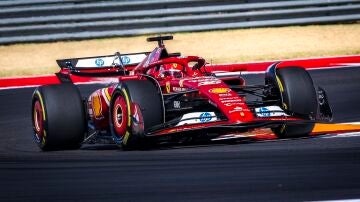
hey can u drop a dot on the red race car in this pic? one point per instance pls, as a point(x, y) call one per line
point(156, 97)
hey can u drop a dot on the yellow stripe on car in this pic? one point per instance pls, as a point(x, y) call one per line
point(107, 94)
point(126, 137)
point(42, 104)
point(280, 84)
point(127, 105)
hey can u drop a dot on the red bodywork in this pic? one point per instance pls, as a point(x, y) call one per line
point(187, 77)
point(214, 89)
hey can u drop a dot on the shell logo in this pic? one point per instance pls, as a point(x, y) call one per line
point(219, 90)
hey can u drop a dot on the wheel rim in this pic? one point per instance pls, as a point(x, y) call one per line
point(38, 120)
point(120, 116)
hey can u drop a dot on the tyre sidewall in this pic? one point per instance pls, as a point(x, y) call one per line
point(298, 97)
point(140, 96)
point(64, 123)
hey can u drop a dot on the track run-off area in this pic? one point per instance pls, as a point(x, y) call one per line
point(324, 167)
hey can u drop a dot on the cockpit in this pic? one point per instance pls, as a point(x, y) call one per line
point(163, 71)
point(160, 64)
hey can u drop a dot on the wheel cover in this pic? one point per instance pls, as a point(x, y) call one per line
point(120, 116)
point(38, 121)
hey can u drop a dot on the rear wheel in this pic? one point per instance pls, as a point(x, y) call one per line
point(298, 97)
point(136, 106)
point(58, 117)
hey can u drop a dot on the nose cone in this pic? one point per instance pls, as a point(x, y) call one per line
point(228, 102)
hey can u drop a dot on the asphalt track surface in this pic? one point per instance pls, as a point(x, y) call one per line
point(322, 168)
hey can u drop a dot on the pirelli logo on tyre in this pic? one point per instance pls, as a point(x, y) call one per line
point(219, 90)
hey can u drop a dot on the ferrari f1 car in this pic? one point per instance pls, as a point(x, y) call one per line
point(156, 97)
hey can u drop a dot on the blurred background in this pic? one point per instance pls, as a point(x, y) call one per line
point(34, 33)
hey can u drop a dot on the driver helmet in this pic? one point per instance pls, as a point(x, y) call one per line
point(173, 70)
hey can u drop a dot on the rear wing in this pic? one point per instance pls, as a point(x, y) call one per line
point(102, 62)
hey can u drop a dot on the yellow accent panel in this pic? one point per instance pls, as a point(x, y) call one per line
point(107, 94)
point(280, 84)
point(219, 90)
point(323, 128)
point(42, 104)
point(96, 105)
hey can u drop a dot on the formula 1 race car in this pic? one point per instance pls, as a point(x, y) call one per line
point(159, 97)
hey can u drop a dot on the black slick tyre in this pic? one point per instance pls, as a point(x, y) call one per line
point(298, 97)
point(58, 117)
point(136, 106)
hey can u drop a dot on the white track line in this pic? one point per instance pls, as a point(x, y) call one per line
point(350, 123)
point(342, 135)
point(220, 74)
point(340, 200)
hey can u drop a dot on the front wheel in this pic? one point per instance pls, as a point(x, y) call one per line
point(298, 97)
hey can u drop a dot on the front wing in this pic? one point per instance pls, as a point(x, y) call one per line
point(224, 127)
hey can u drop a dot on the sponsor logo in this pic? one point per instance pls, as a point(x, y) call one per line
point(110, 60)
point(179, 89)
point(264, 111)
point(236, 109)
point(125, 60)
point(203, 79)
point(197, 117)
point(208, 81)
point(99, 62)
point(230, 104)
point(205, 117)
point(168, 87)
point(270, 111)
point(204, 83)
point(225, 95)
point(231, 101)
point(219, 90)
point(228, 98)
point(177, 104)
